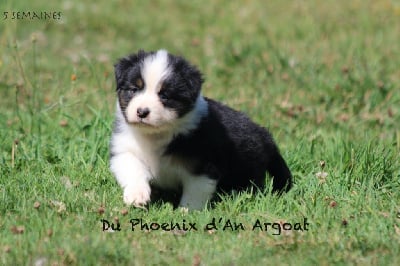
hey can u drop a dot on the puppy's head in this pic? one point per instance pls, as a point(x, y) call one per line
point(155, 89)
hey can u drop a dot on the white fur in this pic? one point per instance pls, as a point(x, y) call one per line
point(197, 190)
point(138, 160)
point(138, 144)
point(155, 70)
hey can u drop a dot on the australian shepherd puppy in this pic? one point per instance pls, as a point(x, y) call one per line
point(168, 136)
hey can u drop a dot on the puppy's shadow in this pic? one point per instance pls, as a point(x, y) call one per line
point(162, 196)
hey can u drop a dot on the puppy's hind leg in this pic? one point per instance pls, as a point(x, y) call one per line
point(197, 191)
point(278, 169)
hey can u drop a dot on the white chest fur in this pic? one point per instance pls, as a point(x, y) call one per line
point(172, 173)
point(138, 161)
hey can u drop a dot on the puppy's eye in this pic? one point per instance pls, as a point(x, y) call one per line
point(163, 95)
point(133, 89)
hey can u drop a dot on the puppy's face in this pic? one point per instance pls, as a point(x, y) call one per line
point(155, 89)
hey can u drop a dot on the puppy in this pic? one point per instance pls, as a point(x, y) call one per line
point(168, 136)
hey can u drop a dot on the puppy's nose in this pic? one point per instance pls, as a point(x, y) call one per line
point(143, 112)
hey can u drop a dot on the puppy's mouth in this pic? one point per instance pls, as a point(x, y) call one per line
point(150, 127)
point(142, 123)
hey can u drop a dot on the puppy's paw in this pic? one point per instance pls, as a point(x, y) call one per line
point(137, 195)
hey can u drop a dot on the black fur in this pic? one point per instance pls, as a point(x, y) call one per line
point(127, 70)
point(179, 91)
point(229, 147)
point(226, 145)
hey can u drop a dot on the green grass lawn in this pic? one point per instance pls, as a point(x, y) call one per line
point(323, 76)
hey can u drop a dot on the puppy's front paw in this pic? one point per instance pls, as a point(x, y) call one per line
point(137, 195)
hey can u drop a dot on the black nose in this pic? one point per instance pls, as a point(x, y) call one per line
point(143, 112)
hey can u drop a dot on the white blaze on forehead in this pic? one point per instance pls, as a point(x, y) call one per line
point(155, 70)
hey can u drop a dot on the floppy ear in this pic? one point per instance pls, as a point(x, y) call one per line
point(120, 70)
point(124, 64)
point(190, 73)
point(193, 77)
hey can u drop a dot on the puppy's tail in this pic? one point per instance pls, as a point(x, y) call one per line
point(282, 177)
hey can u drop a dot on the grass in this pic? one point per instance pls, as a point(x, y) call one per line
point(324, 78)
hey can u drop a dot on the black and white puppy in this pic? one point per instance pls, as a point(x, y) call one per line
point(168, 136)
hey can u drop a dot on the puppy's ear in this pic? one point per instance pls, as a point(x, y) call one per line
point(120, 70)
point(194, 78)
point(124, 64)
point(190, 73)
